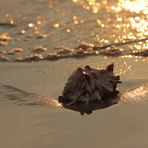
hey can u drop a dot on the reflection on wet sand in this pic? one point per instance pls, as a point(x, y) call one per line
point(135, 95)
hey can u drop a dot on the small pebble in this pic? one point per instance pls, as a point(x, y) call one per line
point(85, 46)
point(52, 56)
point(3, 58)
point(19, 59)
point(8, 24)
point(22, 32)
point(4, 37)
point(111, 51)
point(64, 51)
point(39, 49)
point(35, 57)
point(2, 52)
point(31, 58)
point(3, 43)
point(40, 36)
point(14, 50)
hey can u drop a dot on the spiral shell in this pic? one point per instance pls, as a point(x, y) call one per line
point(86, 85)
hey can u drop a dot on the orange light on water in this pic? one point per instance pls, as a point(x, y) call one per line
point(136, 94)
point(54, 103)
point(92, 5)
point(134, 6)
point(56, 25)
point(30, 25)
point(140, 25)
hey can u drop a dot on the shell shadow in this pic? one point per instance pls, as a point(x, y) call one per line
point(136, 95)
point(91, 106)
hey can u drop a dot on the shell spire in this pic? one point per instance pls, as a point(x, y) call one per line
point(110, 67)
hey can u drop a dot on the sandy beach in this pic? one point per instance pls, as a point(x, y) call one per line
point(27, 121)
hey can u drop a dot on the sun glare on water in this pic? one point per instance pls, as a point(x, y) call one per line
point(92, 5)
point(54, 103)
point(135, 95)
point(140, 25)
point(134, 6)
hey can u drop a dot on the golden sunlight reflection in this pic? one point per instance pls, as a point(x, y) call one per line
point(56, 25)
point(135, 95)
point(54, 103)
point(140, 25)
point(123, 68)
point(92, 5)
point(50, 102)
point(68, 30)
point(136, 6)
point(30, 25)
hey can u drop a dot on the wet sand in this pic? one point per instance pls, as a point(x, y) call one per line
point(26, 120)
point(121, 125)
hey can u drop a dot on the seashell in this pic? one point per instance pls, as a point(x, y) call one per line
point(87, 85)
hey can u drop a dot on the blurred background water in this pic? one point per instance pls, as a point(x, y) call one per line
point(50, 23)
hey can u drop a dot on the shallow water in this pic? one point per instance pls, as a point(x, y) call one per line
point(27, 24)
point(37, 27)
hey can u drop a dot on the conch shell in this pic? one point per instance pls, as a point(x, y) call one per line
point(89, 85)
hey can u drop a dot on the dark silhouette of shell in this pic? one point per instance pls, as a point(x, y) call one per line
point(89, 85)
